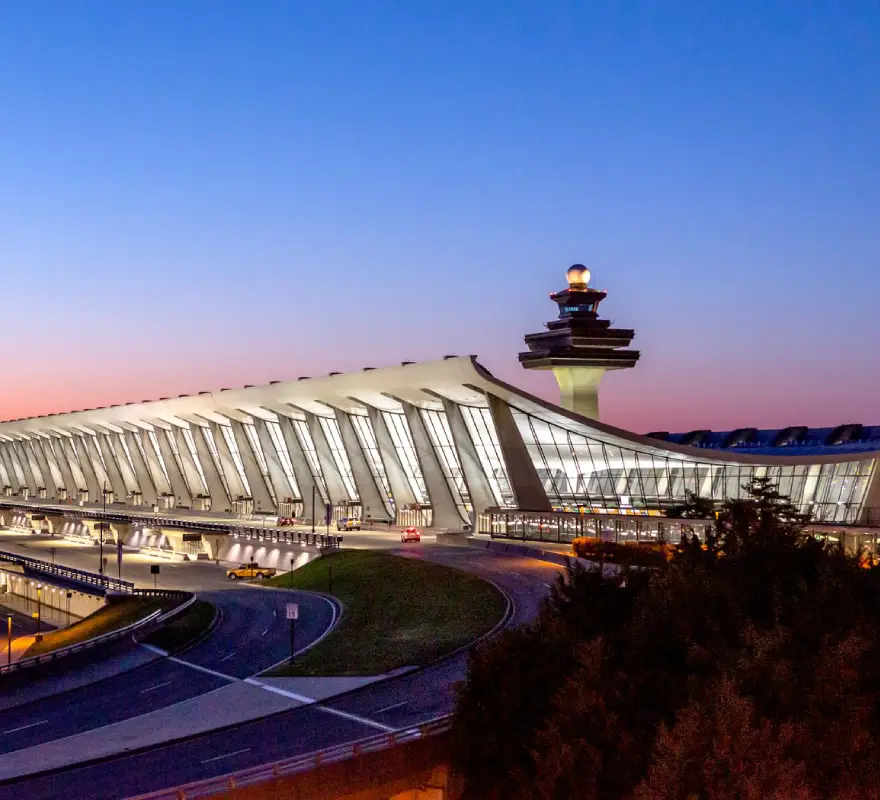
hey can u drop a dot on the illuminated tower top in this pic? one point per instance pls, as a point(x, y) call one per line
point(579, 346)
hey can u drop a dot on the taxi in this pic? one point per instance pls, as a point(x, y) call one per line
point(250, 571)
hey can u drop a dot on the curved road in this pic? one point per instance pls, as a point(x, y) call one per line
point(399, 702)
point(251, 636)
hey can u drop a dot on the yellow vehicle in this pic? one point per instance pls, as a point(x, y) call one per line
point(348, 524)
point(252, 570)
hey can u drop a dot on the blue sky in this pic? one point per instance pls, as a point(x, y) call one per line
point(206, 194)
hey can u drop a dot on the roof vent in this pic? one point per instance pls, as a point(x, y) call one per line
point(790, 435)
point(304, 378)
point(739, 437)
point(367, 369)
point(331, 374)
point(248, 386)
point(694, 437)
point(272, 383)
point(845, 433)
point(404, 363)
point(448, 357)
point(204, 393)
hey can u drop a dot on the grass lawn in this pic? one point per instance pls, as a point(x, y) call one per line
point(185, 628)
point(118, 614)
point(397, 612)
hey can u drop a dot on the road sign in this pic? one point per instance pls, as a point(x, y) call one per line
point(154, 569)
point(328, 513)
point(293, 611)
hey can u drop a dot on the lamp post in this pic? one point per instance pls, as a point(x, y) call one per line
point(39, 597)
point(101, 531)
point(313, 507)
point(8, 639)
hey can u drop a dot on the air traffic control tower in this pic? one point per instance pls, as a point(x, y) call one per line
point(579, 347)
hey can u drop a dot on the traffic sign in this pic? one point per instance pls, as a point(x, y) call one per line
point(293, 611)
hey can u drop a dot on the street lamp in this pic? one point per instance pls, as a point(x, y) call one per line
point(39, 597)
point(8, 639)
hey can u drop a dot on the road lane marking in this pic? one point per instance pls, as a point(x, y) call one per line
point(276, 690)
point(225, 658)
point(548, 585)
point(355, 718)
point(388, 708)
point(264, 633)
point(226, 755)
point(150, 688)
point(202, 669)
point(25, 727)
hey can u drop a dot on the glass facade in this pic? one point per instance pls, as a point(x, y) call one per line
point(330, 427)
point(578, 472)
point(481, 427)
point(401, 436)
point(52, 461)
point(208, 436)
point(304, 437)
point(366, 437)
point(193, 454)
point(283, 456)
point(440, 434)
point(257, 449)
point(229, 438)
point(154, 441)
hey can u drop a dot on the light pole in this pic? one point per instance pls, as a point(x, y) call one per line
point(101, 531)
point(313, 508)
point(8, 639)
point(39, 597)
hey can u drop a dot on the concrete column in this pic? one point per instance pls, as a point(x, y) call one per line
point(301, 470)
point(400, 485)
point(114, 452)
point(579, 389)
point(54, 452)
point(259, 490)
point(33, 465)
point(474, 477)
point(21, 458)
point(45, 469)
point(182, 496)
point(371, 495)
point(93, 481)
point(102, 474)
point(445, 512)
point(79, 479)
point(158, 468)
point(521, 472)
point(332, 477)
point(16, 478)
point(220, 500)
point(4, 471)
point(236, 487)
point(117, 483)
point(277, 475)
point(190, 472)
point(142, 470)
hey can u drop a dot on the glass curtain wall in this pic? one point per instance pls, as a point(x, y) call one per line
point(401, 436)
point(581, 473)
point(208, 436)
point(440, 434)
point(260, 457)
point(283, 456)
point(481, 427)
point(229, 438)
point(334, 438)
point(304, 437)
point(191, 446)
point(366, 437)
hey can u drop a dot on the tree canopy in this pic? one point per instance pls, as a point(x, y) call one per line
point(745, 668)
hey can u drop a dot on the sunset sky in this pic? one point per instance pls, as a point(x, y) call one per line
point(196, 195)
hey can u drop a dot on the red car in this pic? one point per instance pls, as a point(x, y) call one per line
point(411, 535)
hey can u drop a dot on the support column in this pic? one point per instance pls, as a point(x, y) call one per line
point(112, 468)
point(179, 486)
point(45, 469)
point(21, 457)
point(190, 471)
point(230, 470)
point(445, 512)
point(16, 481)
point(521, 472)
point(76, 469)
point(93, 482)
point(277, 475)
point(372, 498)
point(332, 477)
point(220, 500)
point(141, 469)
point(259, 490)
point(114, 451)
point(302, 472)
point(102, 476)
point(475, 478)
point(4, 471)
point(54, 451)
point(400, 486)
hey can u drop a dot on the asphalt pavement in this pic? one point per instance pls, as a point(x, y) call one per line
point(398, 702)
point(251, 636)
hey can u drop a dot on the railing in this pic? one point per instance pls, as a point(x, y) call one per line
point(288, 537)
point(298, 764)
point(63, 652)
point(68, 573)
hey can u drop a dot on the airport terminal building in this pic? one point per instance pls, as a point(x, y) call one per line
point(440, 444)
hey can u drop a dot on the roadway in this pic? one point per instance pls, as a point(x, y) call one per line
point(397, 702)
point(251, 635)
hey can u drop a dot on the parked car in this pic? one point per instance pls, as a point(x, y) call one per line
point(250, 571)
point(411, 535)
point(348, 524)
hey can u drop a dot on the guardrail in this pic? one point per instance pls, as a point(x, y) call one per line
point(297, 764)
point(68, 573)
point(63, 652)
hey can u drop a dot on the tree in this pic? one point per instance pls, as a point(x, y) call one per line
point(652, 683)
